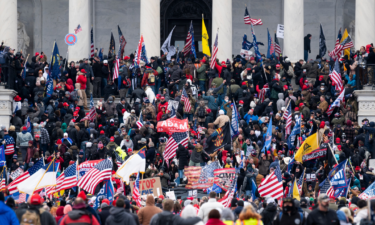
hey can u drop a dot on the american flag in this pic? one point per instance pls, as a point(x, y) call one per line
point(78, 29)
point(207, 172)
point(324, 186)
point(92, 114)
point(22, 198)
point(12, 187)
point(227, 199)
point(138, 53)
point(172, 144)
point(68, 178)
point(248, 20)
point(339, 36)
point(189, 46)
point(3, 179)
point(136, 196)
point(272, 186)
point(345, 44)
point(122, 43)
point(277, 46)
point(214, 51)
point(9, 145)
point(116, 68)
point(336, 76)
point(288, 118)
point(28, 124)
point(336, 103)
point(94, 176)
point(185, 99)
point(300, 181)
point(92, 43)
point(140, 121)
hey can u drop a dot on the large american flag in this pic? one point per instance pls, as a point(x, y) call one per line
point(136, 196)
point(336, 76)
point(9, 145)
point(272, 186)
point(277, 46)
point(189, 46)
point(3, 179)
point(92, 43)
point(138, 53)
point(12, 187)
point(248, 20)
point(185, 99)
point(68, 178)
point(140, 121)
point(336, 103)
point(339, 36)
point(214, 51)
point(122, 43)
point(78, 29)
point(227, 199)
point(288, 119)
point(94, 176)
point(172, 144)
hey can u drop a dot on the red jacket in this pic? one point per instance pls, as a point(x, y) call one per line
point(161, 105)
point(82, 80)
point(160, 114)
point(69, 85)
point(145, 79)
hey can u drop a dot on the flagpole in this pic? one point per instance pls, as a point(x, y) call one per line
point(25, 62)
point(333, 154)
point(43, 175)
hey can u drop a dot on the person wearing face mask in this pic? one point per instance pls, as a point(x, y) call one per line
point(289, 214)
point(322, 215)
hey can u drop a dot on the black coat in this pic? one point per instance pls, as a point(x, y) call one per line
point(138, 93)
point(104, 214)
point(307, 42)
point(182, 156)
point(97, 69)
point(109, 90)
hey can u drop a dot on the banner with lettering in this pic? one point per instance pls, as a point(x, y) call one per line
point(172, 125)
point(150, 186)
point(316, 154)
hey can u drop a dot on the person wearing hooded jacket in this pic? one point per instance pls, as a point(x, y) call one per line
point(289, 214)
point(119, 216)
point(110, 108)
point(7, 215)
point(146, 213)
point(269, 212)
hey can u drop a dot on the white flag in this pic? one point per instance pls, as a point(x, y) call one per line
point(167, 46)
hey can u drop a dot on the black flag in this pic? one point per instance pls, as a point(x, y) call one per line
point(322, 43)
point(112, 47)
point(219, 139)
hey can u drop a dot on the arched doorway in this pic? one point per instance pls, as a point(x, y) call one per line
point(181, 13)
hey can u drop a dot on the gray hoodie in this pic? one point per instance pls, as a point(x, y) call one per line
point(280, 102)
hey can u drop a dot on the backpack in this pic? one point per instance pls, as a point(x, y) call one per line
point(30, 217)
point(2, 57)
point(127, 83)
point(290, 71)
point(151, 78)
point(300, 214)
point(201, 112)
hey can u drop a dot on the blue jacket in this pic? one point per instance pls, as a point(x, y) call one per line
point(247, 118)
point(212, 104)
point(351, 82)
point(7, 215)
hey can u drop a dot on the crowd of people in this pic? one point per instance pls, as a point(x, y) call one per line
point(261, 90)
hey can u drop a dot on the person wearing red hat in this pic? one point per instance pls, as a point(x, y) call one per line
point(79, 215)
point(305, 111)
point(36, 202)
point(202, 76)
point(163, 103)
point(81, 87)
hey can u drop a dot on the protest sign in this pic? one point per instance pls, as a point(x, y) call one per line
point(150, 186)
point(16, 173)
point(280, 31)
point(170, 195)
point(173, 125)
point(318, 153)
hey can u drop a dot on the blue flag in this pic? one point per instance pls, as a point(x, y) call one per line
point(290, 165)
point(55, 70)
point(234, 127)
point(144, 53)
point(341, 192)
point(28, 125)
point(2, 156)
point(270, 50)
point(296, 130)
point(106, 192)
point(246, 45)
point(337, 176)
point(24, 71)
point(191, 30)
point(256, 48)
point(100, 55)
point(267, 143)
point(214, 188)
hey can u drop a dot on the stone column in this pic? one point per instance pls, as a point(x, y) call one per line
point(364, 23)
point(222, 19)
point(366, 104)
point(79, 13)
point(150, 26)
point(293, 29)
point(6, 106)
point(8, 27)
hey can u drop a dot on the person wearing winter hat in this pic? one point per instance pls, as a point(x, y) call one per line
point(78, 214)
point(105, 208)
point(81, 202)
point(221, 119)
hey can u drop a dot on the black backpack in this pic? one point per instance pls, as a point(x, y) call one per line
point(165, 220)
point(201, 112)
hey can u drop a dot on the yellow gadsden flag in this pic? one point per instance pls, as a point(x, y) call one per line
point(310, 144)
point(205, 37)
point(344, 36)
point(295, 190)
